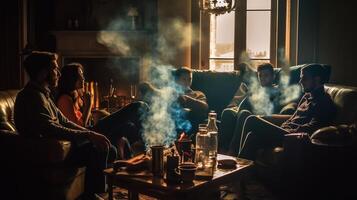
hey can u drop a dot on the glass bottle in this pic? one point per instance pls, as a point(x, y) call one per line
point(212, 131)
point(201, 154)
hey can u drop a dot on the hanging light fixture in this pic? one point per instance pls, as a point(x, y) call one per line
point(217, 7)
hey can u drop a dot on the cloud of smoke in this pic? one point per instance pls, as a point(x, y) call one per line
point(114, 40)
point(165, 114)
point(261, 99)
point(175, 35)
point(289, 92)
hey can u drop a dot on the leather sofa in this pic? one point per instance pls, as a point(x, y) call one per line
point(304, 167)
point(220, 87)
point(34, 168)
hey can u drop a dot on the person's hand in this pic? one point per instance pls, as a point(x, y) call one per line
point(87, 100)
point(99, 140)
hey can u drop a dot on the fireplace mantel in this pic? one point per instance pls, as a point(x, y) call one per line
point(84, 43)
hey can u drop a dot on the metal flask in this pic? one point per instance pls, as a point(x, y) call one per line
point(157, 160)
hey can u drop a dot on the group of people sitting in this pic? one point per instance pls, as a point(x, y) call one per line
point(243, 130)
point(54, 104)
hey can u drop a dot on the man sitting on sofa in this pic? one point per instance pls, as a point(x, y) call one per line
point(244, 104)
point(36, 116)
point(315, 110)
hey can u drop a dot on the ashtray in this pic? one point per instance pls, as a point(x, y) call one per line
point(227, 164)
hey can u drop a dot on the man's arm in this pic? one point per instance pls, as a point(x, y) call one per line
point(42, 116)
point(276, 119)
point(323, 115)
point(195, 103)
point(238, 97)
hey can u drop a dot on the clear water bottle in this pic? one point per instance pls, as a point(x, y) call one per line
point(202, 150)
point(212, 132)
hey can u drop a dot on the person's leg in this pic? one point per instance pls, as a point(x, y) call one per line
point(125, 122)
point(259, 133)
point(235, 141)
point(228, 119)
point(85, 154)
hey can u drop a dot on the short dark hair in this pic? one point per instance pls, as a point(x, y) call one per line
point(266, 66)
point(68, 78)
point(317, 70)
point(37, 61)
point(181, 71)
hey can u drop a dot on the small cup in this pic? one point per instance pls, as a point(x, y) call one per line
point(187, 172)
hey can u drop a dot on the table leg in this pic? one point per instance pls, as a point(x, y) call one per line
point(110, 188)
point(133, 195)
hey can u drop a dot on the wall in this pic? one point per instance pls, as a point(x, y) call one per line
point(10, 70)
point(337, 40)
point(326, 35)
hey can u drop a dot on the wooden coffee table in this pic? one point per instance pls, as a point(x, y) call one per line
point(145, 183)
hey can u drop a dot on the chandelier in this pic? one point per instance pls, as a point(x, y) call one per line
point(217, 7)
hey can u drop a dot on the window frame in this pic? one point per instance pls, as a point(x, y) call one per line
point(278, 34)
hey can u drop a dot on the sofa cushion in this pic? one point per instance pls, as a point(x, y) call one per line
point(295, 71)
point(7, 101)
point(345, 98)
point(219, 87)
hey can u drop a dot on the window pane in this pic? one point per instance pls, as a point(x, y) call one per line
point(258, 4)
point(222, 36)
point(221, 65)
point(258, 34)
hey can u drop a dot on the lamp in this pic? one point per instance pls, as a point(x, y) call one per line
point(217, 7)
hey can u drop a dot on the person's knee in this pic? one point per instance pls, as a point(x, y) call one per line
point(245, 113)
point(140, 105)
point(251, 120)
point(228, 113)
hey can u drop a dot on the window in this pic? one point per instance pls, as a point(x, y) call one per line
point(254, 21)
point(258, 30)
point(222, 42)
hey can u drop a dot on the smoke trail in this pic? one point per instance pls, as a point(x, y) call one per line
point(260, 98)
point(289, 92)
point(165, 114)
point(114, 41)
point(175, 35)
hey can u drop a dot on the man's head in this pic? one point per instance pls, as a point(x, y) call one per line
point(183, 77)
point(266, 74)
point(313, 76)
point(42, 67)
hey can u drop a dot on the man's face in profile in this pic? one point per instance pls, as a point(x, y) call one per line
point(185, 80)
point(266, 78)
point(54, 74)
point(307, 82)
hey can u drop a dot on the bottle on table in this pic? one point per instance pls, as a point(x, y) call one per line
point(212, 131)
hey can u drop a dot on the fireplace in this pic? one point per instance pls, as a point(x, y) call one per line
point(121, 72)
point(100, 64)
